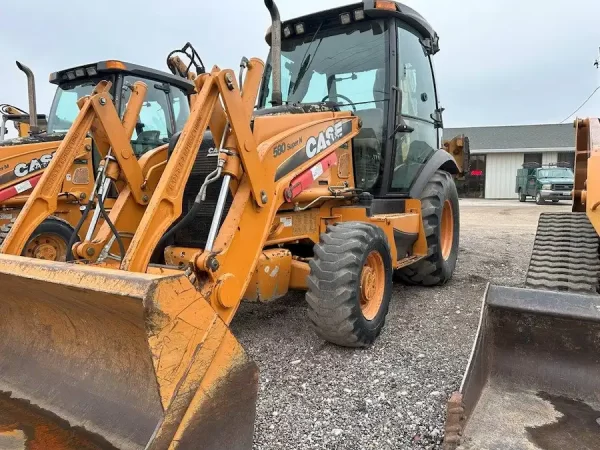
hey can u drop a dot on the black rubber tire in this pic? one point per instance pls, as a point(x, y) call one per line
point(333, 295)
point(554, 201)
point(434, 270)
point(5, 229)
point(53, 225)
point(539, 200)
point(522, 197)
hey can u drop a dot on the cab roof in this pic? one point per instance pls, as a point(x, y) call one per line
point(112, 66)
point(372, 9)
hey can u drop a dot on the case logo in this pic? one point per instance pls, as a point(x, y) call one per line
point(316, 144)
point(24, 169)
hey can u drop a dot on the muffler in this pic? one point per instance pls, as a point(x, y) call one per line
point(34, 127)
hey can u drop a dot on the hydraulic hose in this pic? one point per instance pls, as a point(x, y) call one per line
point(195, 209)
point(75, 235)
point(211, 178)
point(111, 226)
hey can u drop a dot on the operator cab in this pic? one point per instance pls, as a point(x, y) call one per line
point(164, 112)
point(372, 58)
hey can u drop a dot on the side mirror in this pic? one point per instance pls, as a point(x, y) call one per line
point(437, 118)
point(400, 125)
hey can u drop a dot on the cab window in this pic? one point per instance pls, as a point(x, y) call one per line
point(555, 173)
point(181, 107)
point(153, 127)
point(64, 108)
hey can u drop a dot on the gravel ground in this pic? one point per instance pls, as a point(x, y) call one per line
point(315, 395)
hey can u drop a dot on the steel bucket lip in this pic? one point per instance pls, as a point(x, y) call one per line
point(549, 303)
point(57, 268)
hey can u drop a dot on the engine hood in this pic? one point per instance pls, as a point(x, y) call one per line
point(33, 139)
point(555, 180)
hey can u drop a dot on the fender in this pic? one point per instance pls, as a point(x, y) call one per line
point(440, 160)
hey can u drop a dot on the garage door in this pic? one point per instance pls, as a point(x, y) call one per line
point(501, 174)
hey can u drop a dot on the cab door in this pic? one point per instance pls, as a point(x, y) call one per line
point(415, 79)
point(532, 184)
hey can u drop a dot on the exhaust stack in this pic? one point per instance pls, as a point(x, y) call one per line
point(33, 119)
point(277, 98)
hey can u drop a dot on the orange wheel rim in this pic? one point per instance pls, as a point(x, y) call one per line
point(47, 246)
point(372, 285)
point(447, 229)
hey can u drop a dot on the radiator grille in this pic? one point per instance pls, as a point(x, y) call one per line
point(196, 233)
point(562, 187)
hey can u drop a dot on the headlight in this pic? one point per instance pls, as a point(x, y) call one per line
point(546, 186)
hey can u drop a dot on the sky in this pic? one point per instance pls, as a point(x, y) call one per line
point(501, 62)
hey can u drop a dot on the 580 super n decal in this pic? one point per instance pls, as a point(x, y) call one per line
point(314, 145)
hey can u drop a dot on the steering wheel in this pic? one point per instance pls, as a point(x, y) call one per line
point(350, 102)
point(148, 136)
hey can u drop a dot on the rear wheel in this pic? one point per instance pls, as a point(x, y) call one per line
point(441, 219)
point(539, 199)
point(554, 201)
point(49, 240)
point(350, 284)
point(522, 197)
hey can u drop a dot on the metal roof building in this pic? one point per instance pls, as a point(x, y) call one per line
point(497, 153)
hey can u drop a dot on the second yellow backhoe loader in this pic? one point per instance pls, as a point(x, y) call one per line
point(24, 159)
point(334, 184)
point(532, 382)
point(20, 120)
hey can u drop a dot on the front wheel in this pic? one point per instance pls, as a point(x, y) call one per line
point(441, 220)
point(539, 200)
point(49, 241)
point(350, 284)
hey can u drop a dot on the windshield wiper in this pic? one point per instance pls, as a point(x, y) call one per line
point(306, 61)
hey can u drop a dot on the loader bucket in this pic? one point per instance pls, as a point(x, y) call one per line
point(93, 358)
point(533, 380)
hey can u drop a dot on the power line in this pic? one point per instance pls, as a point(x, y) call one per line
point(582, 105)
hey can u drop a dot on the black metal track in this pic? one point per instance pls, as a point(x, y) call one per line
point(565, 254)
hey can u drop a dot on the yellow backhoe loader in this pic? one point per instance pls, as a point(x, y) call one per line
point(23, 160)
point(533, 381)
point(19, 118)
point(333, 185)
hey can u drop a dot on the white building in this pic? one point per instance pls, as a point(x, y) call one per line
point(497, 153)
